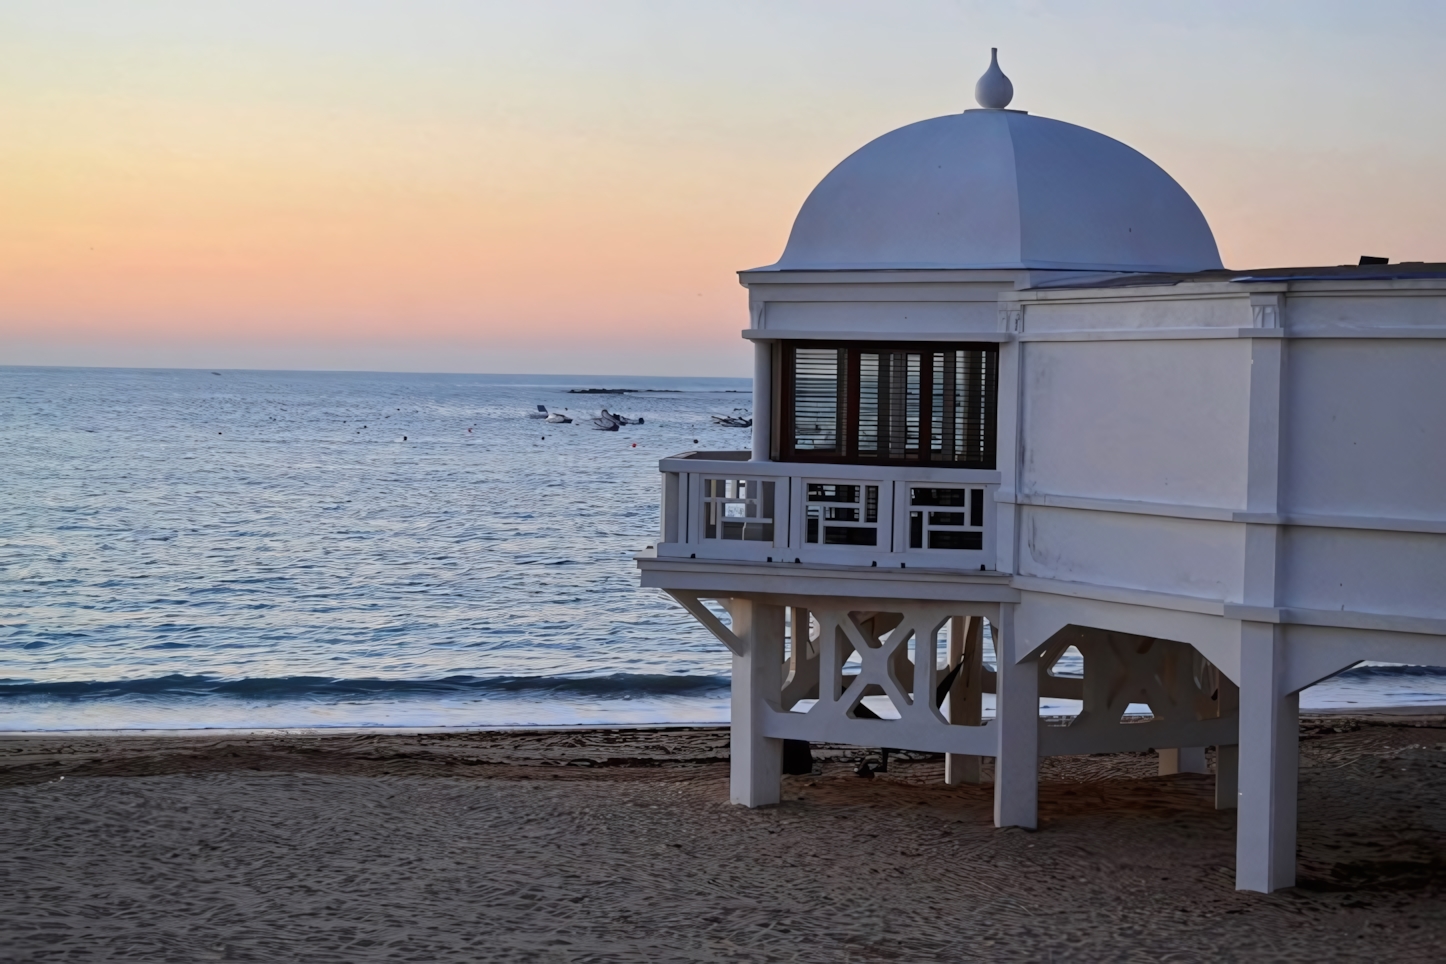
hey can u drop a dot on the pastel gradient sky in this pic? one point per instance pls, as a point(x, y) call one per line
point(569, 187)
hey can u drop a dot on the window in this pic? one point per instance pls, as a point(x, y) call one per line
point(889, 405)
point(817, 398)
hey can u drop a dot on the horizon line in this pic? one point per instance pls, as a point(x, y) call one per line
point(363, 371)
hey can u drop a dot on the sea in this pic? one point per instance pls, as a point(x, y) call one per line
point(268, 549)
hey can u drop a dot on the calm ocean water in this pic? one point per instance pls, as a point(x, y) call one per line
point(246, 549)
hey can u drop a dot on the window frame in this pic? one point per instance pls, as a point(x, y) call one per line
point(848, 419)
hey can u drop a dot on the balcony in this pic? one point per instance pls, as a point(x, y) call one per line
point(721, 506)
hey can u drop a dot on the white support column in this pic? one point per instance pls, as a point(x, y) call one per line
point(1269, 764)
point(762, 400)
point(1269, 719)
point(966, 695)
point(756, 761)
point(1016, 716)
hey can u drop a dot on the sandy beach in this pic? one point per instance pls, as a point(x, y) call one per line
point(619, 845)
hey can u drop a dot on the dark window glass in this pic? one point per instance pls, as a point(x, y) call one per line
point(836, 503)
point(825, 492)
point(918, 496)
point(817, 386)
point(955, 540)
point(891, 405)
point(850, 536)
point(871, 405)
point(936, 514)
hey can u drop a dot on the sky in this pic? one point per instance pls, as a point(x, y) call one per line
point(570, 187)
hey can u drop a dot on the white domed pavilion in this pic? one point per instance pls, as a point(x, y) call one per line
point(1002, 378)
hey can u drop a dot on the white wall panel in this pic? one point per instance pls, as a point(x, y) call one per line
point(1132, 551)
point(1138, 314)
point(1366, 427)
point(1362, 570)
point(1154, 421)
point(1327, 313)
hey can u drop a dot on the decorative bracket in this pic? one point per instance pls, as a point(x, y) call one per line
point(711, 622)
point(758, 311)
point(1267, 310)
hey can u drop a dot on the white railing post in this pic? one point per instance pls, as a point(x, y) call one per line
point(671, 508)
point(991, 527)
point(692, 524)
point(782, 511)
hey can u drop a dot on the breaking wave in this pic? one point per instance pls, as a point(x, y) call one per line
point(1391, 671)
point(320, 688)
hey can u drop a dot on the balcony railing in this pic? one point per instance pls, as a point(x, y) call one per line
point(720, 505)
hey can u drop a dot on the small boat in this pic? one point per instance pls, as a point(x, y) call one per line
point(609, 422)
point(732, 421)
point(557, 418)
point(621, 419)
point(540, 413)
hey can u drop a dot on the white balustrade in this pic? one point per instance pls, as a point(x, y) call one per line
point(722, 506)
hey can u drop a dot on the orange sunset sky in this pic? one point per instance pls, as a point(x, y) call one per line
point(570, 187)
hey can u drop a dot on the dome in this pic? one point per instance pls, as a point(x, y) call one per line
point(999, 189)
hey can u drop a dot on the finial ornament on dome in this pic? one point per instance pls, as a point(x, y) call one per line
point(994, 91)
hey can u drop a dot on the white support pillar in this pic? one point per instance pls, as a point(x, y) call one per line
point(1268, 754)
point(755, 761)
point(1269, 764)
point(966, 695)
point(762, 400)
point(1016, 716)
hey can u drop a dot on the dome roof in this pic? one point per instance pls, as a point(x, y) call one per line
point(999, 189)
